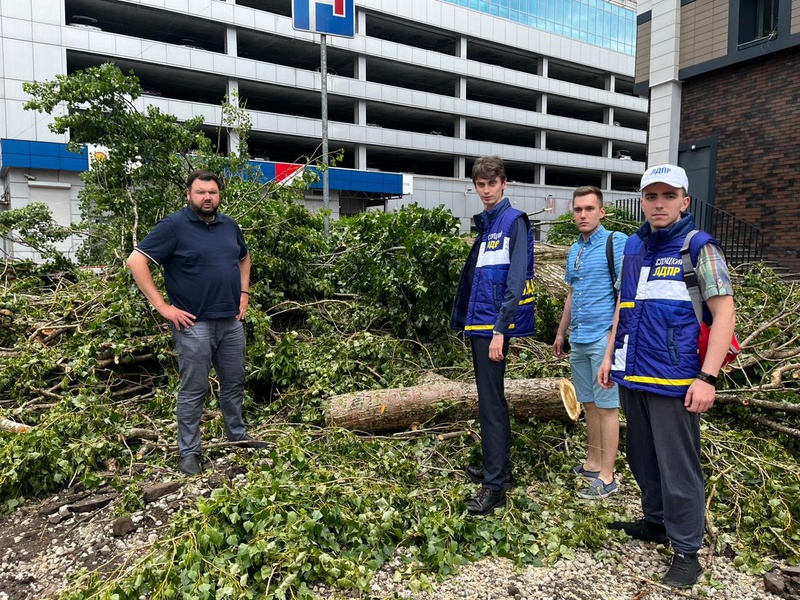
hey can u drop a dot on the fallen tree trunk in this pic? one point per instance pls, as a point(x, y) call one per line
point(13, 426)
point(400, 408)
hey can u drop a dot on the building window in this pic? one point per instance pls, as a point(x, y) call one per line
point(758, 22)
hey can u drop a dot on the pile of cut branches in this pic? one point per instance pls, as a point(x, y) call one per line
point(89, 367)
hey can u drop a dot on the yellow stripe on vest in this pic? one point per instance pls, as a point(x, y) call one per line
point(659, 380)
point(627, 304)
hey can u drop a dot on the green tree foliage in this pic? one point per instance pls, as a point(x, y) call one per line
point(403, 267)
point(143, 176)
point(33, 226)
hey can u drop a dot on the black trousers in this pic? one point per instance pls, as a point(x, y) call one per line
point(492, 412)
point(662, 441)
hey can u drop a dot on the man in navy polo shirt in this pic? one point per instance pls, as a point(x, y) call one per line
point(207, 276)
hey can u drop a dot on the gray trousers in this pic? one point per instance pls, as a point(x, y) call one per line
point(662, 441)
point(219, 342)
point(492, 412)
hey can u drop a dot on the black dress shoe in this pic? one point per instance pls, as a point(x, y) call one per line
point(248, 442)
point(475, 475)
point(190, 464)
point(486, 501)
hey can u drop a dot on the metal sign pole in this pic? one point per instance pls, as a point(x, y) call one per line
point(333, 17)
point(323, 55)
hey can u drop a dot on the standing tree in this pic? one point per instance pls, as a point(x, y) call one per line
point(148, 156)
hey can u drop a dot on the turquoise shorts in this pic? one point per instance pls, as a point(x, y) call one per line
point(585, 360)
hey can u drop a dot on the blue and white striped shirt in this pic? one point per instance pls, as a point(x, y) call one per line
point(593, 301)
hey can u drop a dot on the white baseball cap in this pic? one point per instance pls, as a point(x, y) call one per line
point(669, 174)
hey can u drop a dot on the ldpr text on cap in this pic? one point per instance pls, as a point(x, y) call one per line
point(669, 174)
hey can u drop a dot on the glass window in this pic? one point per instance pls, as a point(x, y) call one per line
point(600, 22)
point(758, 21)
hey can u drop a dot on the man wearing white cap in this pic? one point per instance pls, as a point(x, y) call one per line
point(653, 356)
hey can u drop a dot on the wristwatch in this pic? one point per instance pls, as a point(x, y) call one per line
point(495, 332)
point(709, 379)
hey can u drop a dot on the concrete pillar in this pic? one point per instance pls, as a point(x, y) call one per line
point(231, 46)
point(461, 88)
point(360, 68)
point(461, 47)
point(665, 87)
point(233, 95)
point(459, 166)
point(461, 128)
point(361, 22)
point(360, 117)
point(360, 157)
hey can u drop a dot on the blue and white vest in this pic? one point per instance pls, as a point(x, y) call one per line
point(655, 349)
point(491, 256)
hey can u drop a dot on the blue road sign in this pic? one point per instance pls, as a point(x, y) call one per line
point(331, 17)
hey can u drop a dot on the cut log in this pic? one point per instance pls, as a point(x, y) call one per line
point(402, 408)
point(7, 425)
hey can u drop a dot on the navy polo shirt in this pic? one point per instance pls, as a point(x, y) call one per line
point(201, 262)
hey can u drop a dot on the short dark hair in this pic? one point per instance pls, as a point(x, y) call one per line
point(585, 190)
point(488, 167)
point(202, 176)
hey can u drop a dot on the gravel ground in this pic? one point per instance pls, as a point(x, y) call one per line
point(43, 544)
point(625, 571)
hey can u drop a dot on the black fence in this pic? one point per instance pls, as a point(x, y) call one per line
point(741, 241)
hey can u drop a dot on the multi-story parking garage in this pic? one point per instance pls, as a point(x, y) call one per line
point(423, 88)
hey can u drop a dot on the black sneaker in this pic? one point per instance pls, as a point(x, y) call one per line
point(642, 529)
point(475, 475)
point(684, 571)
point(486, 501)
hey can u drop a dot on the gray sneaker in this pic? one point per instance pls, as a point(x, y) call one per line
point(579, 470)
point(598, 489)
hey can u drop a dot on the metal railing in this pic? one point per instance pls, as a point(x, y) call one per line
point(741, 241)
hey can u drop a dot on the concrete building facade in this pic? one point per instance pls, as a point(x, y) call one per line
point(422, 89)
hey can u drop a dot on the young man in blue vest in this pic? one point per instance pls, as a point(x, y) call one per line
point(653, 357)
point(494, 302)
point(588, 314)
point(207, 275)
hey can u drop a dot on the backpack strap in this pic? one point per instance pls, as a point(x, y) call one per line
point(690, 276)
point(612, 269)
